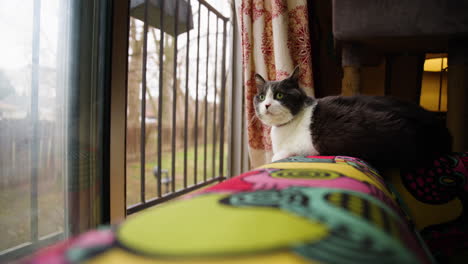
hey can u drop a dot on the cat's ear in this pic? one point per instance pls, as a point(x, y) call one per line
point(295, 74)
point(259, 81)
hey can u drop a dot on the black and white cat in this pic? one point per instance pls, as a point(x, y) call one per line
point(385, 131)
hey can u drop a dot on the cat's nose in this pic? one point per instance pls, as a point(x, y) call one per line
point(267, 105)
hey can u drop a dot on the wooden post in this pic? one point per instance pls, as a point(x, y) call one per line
point(116, 205)
point(457, 93)
point(351, 62)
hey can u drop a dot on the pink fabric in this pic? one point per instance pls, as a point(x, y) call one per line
point(57, 253)
point(263, 181)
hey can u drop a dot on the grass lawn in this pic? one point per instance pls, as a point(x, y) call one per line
point(15, 223)
point(133, 171)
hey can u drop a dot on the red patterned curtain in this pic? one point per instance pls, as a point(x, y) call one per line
point(275, 39)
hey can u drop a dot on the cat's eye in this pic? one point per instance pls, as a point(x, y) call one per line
point(261, 97)
point(279, 96)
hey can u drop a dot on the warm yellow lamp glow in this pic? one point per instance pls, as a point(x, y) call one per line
point(434, 84)
point(433, 65)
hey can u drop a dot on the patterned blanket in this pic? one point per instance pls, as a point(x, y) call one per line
point(313, 209)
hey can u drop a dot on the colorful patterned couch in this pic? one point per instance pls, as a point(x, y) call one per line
point(312, 209)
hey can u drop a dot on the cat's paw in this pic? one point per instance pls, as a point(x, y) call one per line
point(280, 156)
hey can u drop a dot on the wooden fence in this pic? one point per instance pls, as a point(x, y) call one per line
point(16, 138)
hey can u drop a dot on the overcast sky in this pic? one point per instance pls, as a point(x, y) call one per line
point(16, 31)
point(16, 26)
point(16, 21)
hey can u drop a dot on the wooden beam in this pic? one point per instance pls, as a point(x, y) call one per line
point(457, 94)
point(120, 25)
point(351, 62)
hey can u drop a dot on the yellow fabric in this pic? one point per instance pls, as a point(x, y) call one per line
point(424, 214)
point(203, 225)
point(118, 256)
point(344, 169)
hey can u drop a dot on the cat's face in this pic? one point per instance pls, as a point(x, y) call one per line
point(277, 102)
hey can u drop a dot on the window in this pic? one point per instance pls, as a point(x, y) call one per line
point(176, 112)
point(52, 92)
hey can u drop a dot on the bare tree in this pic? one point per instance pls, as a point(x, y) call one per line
point(134, 81)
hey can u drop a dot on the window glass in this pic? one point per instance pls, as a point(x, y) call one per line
point(51, 94)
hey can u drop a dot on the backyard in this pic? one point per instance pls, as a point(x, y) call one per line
point(133, 171)
point(55, 149)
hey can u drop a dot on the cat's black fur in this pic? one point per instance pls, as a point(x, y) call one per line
point(385, 131)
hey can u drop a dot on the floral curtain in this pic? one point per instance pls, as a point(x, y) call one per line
point(275, 38)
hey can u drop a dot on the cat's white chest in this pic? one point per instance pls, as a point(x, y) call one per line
point(294, 138)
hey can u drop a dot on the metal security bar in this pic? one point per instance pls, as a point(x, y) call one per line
point(184, 64)
point(35, 119)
